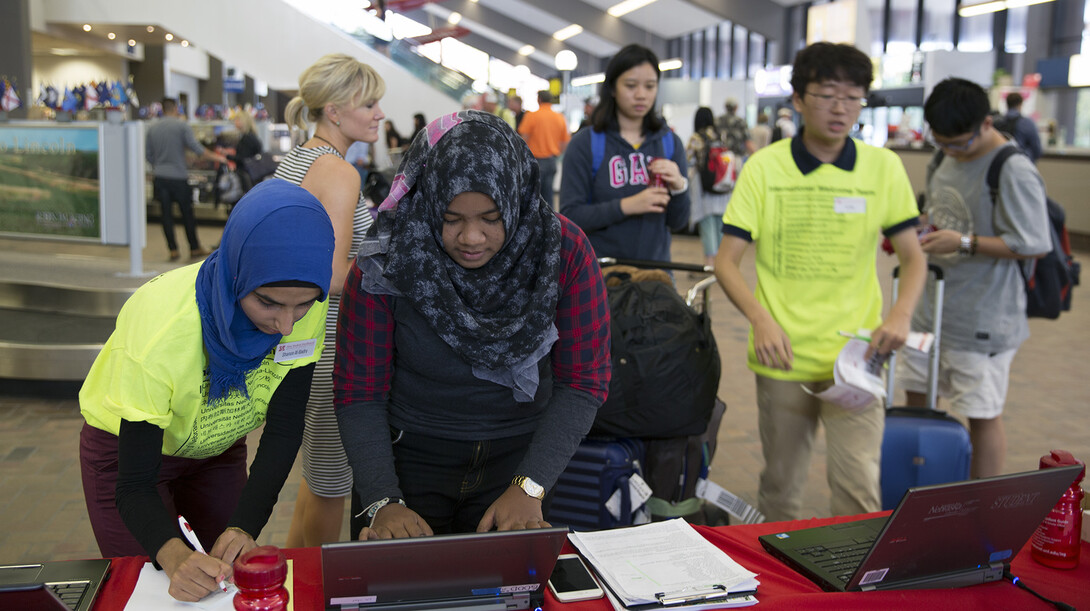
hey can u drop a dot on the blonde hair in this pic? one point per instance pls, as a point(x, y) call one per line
point(246, 121)
point(338, 79)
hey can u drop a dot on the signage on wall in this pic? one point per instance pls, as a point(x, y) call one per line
point(773, 82)
point(49, 181)
point(234, 85)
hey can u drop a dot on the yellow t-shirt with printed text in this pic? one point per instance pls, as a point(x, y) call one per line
point(153, 369)
point(816, 239)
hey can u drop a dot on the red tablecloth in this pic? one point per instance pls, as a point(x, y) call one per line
point(781, 587)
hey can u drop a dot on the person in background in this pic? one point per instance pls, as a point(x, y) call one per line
point(785, 125)
point(546, 133)
point(979, 243)
point(167, 140)
point(760, 134)
point(394, 140)
point(733, 130)
point(707, 209)
point(473, 344)
point(200, 357)
point(1022, 128)
point(617, 204)
point(814, 207)
point(588, 109)
point(490, 103)
point(362, 156)
point(514, 104)
point(339, 95)
point(419, 123)
point(248, 147)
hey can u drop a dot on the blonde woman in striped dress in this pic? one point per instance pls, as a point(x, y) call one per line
point(339, 95)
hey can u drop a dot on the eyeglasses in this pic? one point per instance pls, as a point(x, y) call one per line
point(956, 148)
point(825, 101)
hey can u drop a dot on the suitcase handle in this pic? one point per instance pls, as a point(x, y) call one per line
point(933, 355)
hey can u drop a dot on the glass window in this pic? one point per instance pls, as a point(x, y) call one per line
point(1016, 29)
point(470, 61)
point(697, 60)
point(686, 60)
point(738, 53)
point(756, 52)
point(876, 19)
point(726, 28)
point(976, 33)
point(711, 51)
point(902, 26)
point(938, 25)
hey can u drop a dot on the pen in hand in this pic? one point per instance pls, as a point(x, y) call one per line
point(191, 536)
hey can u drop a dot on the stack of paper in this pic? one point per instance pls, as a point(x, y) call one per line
point(857, 380)
point(665, 564)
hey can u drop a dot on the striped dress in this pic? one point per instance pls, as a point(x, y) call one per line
point(325, 467)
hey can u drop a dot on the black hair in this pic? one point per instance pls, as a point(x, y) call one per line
point(956, 106)
point(605, 113)
point(825, 61)
point(1014, 100)
point(544, 97)
point(703, 119)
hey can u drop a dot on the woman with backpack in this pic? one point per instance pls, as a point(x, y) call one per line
point(707, 207)
point(608, 179)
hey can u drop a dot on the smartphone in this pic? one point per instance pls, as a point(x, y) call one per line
point(571, 580)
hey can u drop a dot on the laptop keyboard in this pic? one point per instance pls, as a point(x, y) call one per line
point(839, 559)
point(70, 592)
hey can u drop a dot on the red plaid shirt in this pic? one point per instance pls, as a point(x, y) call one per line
point(580, 357)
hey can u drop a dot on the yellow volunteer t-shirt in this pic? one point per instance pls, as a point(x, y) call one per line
point(816, 239)
point(154, 369)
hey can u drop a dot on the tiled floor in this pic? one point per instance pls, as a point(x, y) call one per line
point(42, 514)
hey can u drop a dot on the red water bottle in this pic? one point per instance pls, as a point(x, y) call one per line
point(1056, 542)
point(260, 575)
point(656, 179)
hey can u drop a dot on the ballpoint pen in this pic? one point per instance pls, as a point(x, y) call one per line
point(191, 536)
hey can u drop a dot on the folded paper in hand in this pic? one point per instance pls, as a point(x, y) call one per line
point(857, 379)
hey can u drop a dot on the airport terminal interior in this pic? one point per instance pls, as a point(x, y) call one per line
point(42, 509)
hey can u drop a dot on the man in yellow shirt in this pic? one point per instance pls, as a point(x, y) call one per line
point(546, 133)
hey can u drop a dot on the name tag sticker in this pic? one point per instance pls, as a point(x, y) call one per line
point(850, 205)
point(295, 350)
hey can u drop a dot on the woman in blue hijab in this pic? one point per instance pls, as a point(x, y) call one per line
point(200, 357)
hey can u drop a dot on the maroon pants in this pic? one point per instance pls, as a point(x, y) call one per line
point(205, 491)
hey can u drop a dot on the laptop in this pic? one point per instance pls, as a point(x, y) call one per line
point(74, 582)
point(493, 570)
point(941, 536)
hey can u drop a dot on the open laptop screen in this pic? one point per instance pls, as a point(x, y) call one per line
point(441, 567)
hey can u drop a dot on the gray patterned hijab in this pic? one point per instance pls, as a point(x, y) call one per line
point(498, 318)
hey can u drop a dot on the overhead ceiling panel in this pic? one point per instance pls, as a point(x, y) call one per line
point(547, 23)
point(664, 18)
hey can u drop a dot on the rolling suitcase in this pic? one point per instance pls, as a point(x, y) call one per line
point(598, 468)
point(922, 446)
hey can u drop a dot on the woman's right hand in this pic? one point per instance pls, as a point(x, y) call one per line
point(396, 521)
point(652, 200)
point(193, 575)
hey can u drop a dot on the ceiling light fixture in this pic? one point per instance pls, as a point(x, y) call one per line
point(150, 29)
point(454, 18)
point(670, 64)
point(590, 79)
point(626, 7)
point(994, 6)
point(111, 36)
point(132, 43)
point(86, 27)
point(565, 33)
point(185, 43)
point(526, 50)
point(169, 36)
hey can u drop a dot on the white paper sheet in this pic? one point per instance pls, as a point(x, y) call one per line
point(151, 593)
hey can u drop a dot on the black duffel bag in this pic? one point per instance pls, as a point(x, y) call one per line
point(665, 364)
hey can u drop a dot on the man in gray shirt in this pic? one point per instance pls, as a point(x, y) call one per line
point(979, 244)
point(167, 140)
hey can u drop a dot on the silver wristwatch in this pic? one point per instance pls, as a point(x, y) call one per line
point(529, 486)
point(965, 247)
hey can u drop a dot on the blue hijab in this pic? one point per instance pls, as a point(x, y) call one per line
point(277, 232)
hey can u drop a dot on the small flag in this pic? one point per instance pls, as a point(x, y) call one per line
point(11, 99)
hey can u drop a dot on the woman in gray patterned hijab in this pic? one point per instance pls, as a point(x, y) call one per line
point(497, 315)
